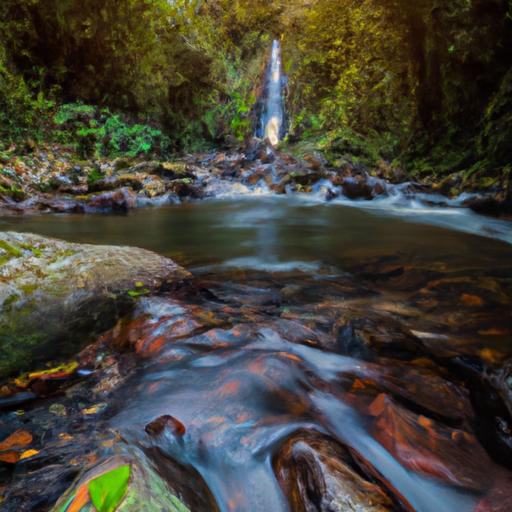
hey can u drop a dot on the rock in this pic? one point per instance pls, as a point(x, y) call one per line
point(168, 170)
point(158, 426)
point(254, 149)
point(427, 446)
point(496, 205)
point(54, 295)
point(63, 205)
point(154, 187)
point(120, 200)
point(305, 177)
point(158, 484)
point(133, 180)
point(75, 190)
point(315, 161)
point(315, 473)
point(121, 163)
point(258, 174)
point(357, 188)
point(184, 189)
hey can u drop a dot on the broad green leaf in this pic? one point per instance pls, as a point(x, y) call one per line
point(108, 490)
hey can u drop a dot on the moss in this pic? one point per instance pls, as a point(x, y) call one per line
point(11, 250)
point(14, 192)
point(34, 250)
point(10, 300)
point(29, 288)
point(175, 167)
point(94, 176)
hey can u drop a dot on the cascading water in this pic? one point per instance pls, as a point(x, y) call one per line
point(271, 124)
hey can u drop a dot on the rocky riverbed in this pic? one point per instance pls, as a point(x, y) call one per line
point(313, 357)
point(377, 382)
point(52, 180)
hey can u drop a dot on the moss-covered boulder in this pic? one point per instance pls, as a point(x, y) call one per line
point(55, 296)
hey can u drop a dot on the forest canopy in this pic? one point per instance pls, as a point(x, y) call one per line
point(427, 82)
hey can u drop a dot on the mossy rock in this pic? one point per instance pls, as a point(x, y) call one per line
point(55, 296)
point(148, 488)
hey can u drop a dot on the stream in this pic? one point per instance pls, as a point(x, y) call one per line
point(326, 358)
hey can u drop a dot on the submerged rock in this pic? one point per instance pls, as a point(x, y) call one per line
point(55, 295)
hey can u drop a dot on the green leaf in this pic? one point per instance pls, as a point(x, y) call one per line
point(138, 293)
point(108, 490)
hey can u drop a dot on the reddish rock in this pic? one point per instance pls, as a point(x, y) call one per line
point(121, 200)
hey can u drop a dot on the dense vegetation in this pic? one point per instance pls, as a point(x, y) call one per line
point(426, 82)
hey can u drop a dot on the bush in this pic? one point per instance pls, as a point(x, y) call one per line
point(98, 132)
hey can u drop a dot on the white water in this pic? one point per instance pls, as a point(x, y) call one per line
point(430, 209)
point(273, 116)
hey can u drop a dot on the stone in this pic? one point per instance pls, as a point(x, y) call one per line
point(55, 296)
point(315, 161)
point(121, 200)
point(316, 473)
point(496, 205)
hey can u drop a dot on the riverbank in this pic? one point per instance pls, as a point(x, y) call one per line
point(52, 179)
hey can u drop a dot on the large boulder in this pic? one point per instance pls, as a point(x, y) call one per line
point(55, 296)
point(121, 200)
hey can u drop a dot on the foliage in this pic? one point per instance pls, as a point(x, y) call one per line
point(108, 490)
point(101, 133)
point(418, 80)
point(423, 81)
point(21, 110)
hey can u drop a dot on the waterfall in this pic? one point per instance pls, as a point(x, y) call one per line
point(271, 124)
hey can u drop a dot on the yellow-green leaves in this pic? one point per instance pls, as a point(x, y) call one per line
point(108, 490)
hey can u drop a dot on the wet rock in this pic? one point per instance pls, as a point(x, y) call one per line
point(365, 337)
point(502, 381)
point(55, 295)
point(156, 427)
point(318, 474)
point(315, 161)
point(183, 189)
point(426, 446)
point(63, 205)
point(121, 200)
point(497, 204)
point(305, 178)
point(258, 150)
point(147, 489)
point(357, 188)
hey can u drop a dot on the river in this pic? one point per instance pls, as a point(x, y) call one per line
point(331, 328)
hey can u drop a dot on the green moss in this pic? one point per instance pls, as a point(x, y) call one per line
point(34, 250)
point(11, 250)
point(10, 300)
point(29, 289)
point(94, 176)
point(14, 191)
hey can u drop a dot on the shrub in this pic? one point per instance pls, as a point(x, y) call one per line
point(98, 132)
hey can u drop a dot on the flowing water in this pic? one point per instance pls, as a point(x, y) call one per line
point(271, 122)
point(324, 358)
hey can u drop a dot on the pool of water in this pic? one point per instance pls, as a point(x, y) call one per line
point(272, 232)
